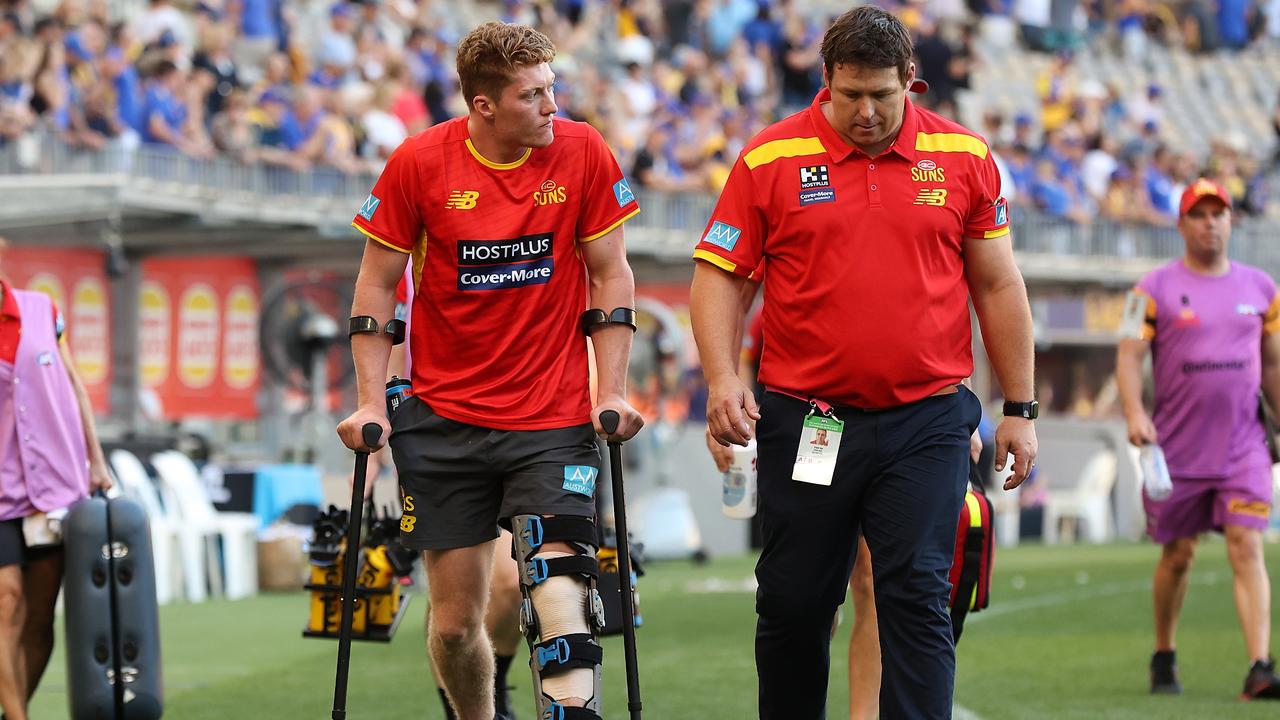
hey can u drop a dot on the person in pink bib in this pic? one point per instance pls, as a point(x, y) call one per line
point(49, 459)
point(1210, 324)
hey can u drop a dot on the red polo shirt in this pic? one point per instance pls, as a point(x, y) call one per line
point(866, 301)
point(499, 280)
point(11, 324)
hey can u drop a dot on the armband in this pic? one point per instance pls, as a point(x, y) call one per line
point(395, 328)
point(362, 325)
point(595, 317)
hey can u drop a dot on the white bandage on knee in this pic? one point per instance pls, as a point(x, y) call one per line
point(561, 605)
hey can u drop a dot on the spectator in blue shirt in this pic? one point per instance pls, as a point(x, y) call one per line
point(165, 114)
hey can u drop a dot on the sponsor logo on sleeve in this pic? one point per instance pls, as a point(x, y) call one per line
point(505, 264)
point(580, 479)
point(723, 235)
point(622, 193)
point(369, 207)
point(1002, 212)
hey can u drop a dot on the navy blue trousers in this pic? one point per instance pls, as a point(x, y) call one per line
point(899, 479)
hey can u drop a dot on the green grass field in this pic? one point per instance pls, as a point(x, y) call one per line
point(1068, 635)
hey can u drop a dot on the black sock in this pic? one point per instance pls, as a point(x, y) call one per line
point(501, 663)
point(448, 709)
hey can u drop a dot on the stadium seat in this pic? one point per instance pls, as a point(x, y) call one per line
point(134, 482)
point(237, 531)
point(1088, 501)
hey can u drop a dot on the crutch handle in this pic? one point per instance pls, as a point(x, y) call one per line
point(372, 434)
point(609, 420)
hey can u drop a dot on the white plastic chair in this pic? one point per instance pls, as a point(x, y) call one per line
point(238, 531)
point(1089, 500)
point(133, 481)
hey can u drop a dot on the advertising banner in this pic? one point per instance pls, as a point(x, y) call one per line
point(76, 279)
point(198, 336)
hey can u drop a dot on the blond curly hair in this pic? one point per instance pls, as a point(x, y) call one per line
point(489, 57)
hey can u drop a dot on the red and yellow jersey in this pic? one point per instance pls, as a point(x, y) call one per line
point(499, 283)
point(866, 301)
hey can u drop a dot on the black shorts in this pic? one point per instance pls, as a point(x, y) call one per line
point(460, 481)
point(13, 546)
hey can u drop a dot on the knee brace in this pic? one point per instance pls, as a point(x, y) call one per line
point(561, 614)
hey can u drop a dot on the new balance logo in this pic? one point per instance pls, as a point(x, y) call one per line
point(722, 235)
point(936, 197)
point(461, 200)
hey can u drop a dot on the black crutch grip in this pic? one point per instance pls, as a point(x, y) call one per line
point(609, 420)
point(372, 434)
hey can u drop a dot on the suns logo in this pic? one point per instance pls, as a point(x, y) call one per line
point(928, 171)
point(549, 194)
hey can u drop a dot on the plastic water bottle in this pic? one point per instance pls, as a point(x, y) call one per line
point(739, 494)
point(1155, 472)
point(398, 390)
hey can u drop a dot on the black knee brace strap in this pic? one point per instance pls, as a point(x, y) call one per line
point(560, 712)
point(566, 653)
point(540, 568)
point(565, 528)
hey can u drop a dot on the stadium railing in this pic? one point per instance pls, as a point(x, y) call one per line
point(158, 178)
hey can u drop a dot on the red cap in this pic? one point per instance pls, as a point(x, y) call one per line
point(1202, 188)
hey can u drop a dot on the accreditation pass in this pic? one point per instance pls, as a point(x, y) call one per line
point(819, 445)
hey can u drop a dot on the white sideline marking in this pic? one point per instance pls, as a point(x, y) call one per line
point(962, 713)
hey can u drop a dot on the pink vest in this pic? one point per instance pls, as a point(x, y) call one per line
point(45, 463)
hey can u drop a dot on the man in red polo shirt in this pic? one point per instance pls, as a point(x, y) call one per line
point(878, 222)
point(513, 218)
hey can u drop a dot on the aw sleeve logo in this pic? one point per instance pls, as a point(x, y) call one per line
point(723, 235)
point(369, 207)
point(622, 193)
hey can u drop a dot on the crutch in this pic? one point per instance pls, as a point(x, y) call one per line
point(609, 420)
point(372, 433)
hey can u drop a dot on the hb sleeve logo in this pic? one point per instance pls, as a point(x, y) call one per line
point(723, 235)
point(370, 207)
point(622, 193)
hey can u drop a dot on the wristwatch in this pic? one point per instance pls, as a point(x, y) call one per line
point(1028, 410)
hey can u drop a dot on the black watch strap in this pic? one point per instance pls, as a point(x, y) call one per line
point(362, 324)
point(1027, 410)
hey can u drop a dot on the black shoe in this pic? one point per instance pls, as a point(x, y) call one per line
point(1262, 683)
point(1164, 674)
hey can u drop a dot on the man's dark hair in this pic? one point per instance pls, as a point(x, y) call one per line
point(869, 37)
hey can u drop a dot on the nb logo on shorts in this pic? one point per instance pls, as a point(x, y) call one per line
point(936, 197)
point(407, 522)
point(462, 200)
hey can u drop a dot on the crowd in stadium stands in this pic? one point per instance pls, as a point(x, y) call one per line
point(677, 87)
